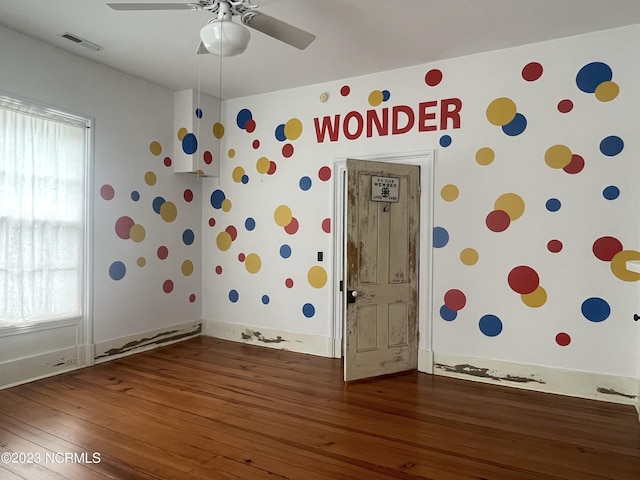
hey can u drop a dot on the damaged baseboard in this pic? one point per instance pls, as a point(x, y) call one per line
point(574, 383)
point(266, 337)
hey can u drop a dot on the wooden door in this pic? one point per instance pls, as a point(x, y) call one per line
point(382, 269)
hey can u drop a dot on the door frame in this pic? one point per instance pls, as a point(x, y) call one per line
point(425, 159)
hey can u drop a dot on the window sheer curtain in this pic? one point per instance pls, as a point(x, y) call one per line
point(42, 161)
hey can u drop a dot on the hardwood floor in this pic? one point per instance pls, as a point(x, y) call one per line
point(210, 409)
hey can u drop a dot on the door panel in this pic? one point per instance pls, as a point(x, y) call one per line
point(382, 267)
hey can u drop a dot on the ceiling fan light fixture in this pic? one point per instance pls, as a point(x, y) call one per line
point(225, 38)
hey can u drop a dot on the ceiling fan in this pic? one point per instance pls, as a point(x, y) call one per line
point(221, 36)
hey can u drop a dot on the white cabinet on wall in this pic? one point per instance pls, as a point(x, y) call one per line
point(197, 131)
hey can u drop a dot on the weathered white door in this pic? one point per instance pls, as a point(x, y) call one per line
point(382, 269)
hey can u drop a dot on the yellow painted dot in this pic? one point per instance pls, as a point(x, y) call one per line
point(293, 129)
point(607, 91)
point(376, 98)
point(485, 156)
point(226, 205)
point(231, 153)
point(501, 111)
point(182, 132)
point(283, 216)
point(317, 277)
point(187, 268)
point(150, 178)
point(558, 156)
point(535, 299)
point(469, 256)
point(262, 165)
point(155, 148)
point(619, 265)
point(252, 263)
point(237, 174)
point(449, 193)
point(510, 203)
point(218, 130)
point(137, 233)
point(223, 241)
point(141, 261)
point(168, 211)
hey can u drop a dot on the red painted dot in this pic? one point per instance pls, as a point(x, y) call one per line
point(523, 280)
point(123, 227)
point(255, 144)
point(288, 283)
point(241, 257)
point(346, 90)
point(219, 270)
point(532, 71)
point(250, 126)
point(433, 77)
point(192, 298)
point(565, 106)
point(232, 231)
point(107, 192)
point(326, 225)
point(575, 165)
point(293, 226)
point(287, 150)
point(167, 161)
point(554, 246)
point(272, 167)
point(208, 157)
point(162, 252)
point(167, 286)
point(605, 248)
point(324, 173)
point(498, 221)
point(212, 222)
point(563, 339)
point(188, 195)
point(455, 299)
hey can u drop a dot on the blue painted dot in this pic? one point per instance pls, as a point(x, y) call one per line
point(285, 251)
point(266, 299)
point(280, 136)
point(135, 195)
point(250, 224)
point(233, 296)
point(217, 197)
point(445, 141)
point(595, 309)
point(198, 112)
point(447, 314)
point(188, 237)
point(117, 270)
point(308, 310)
point(611, 192)
point(305, 183)
point(386, 95)
point(243, 117)
point(553, 205)
point(490, 325)
point(189, 144)
point(516, 126)
point(440, 237)
point(611, 146)
point(592, 75)
point(157, 203)
point(245, 179)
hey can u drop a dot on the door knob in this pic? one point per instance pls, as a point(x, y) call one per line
point(351, 296)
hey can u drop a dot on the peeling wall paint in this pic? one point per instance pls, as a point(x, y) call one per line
point(250, 335)
point(466, 369)
point(610, 391)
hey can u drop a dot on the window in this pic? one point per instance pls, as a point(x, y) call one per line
point(43, 165)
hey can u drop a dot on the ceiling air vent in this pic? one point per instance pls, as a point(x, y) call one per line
point(82, 41)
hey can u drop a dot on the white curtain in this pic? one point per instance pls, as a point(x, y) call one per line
point(42, 160)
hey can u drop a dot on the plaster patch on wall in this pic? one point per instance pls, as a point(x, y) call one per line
point(249, 335)
point(466, 369)
point(610, 391)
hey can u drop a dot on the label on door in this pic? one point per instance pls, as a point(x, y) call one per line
point(385, 189)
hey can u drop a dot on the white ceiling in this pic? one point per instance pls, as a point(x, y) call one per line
point(354, 37)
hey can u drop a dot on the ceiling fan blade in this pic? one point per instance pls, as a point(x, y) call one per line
point(278, 29)
point(202, 49)
point(152, 6)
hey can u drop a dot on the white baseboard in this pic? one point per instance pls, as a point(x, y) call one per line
point(266, 337)
point(574, 383)
point(425, 361)
point(140, 342)
point(35, 367)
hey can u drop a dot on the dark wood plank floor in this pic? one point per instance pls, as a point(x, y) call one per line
point(210, 409)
